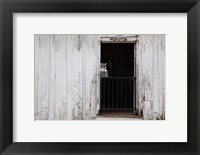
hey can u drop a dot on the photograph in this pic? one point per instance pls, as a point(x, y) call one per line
point(99, 77)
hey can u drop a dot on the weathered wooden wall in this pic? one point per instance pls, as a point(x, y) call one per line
point(150, 74)
point(66, 81)
point(67, 69)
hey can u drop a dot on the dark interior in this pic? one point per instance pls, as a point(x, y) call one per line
point(119, 57)
point(117, 88)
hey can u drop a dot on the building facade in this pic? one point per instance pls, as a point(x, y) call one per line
point(67, 75)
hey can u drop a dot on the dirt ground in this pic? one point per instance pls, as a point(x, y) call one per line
point(117, 115)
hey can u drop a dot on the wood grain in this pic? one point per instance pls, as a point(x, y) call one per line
point(67, 75)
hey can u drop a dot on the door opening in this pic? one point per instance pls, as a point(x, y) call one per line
point(117, 86)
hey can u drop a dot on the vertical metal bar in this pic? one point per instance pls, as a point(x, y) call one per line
point(117, 93)
point(125, 92)
point(108, 92)
point(112, 93)
point(102, 89)
point(104, 81)
point(130, 92)
point(133, 92)
point(134, 86)
point(121, 92)
point(100, 94)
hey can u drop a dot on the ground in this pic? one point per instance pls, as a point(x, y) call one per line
point(117, 115)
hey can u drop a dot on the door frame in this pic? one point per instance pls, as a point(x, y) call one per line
point(120, 39)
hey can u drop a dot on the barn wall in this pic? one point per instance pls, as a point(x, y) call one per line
point(66, 81)
point(150, 74)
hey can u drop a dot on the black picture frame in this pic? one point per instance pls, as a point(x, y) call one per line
point(8, 7)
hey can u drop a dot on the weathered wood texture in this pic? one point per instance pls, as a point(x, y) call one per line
point(67, 75)
point(150, 73)
point(66, 82)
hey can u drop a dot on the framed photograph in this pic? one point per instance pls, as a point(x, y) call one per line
point(100, 77)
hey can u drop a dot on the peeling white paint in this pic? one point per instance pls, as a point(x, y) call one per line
point(67, 75)
point(151, 72)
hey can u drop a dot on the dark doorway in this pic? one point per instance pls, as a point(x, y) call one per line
point(117, 76)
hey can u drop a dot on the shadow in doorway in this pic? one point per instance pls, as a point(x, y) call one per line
point(117, 78)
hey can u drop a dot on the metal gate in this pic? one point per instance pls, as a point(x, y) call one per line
point(118, 93)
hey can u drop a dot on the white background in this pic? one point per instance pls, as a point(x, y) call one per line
point(173, 129)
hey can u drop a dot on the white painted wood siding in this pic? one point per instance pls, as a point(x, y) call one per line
point(150, 72)
point(66, 81)
point(67, 75)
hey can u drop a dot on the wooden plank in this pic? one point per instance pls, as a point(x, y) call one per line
point(57, 102)
point(91, 72)
point(68, 46)
point(150, 72)
point(41, 77)
point(74, 45)
point(159, 74)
